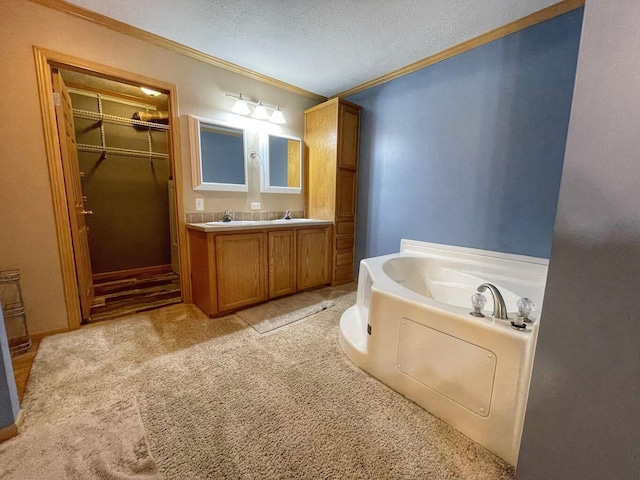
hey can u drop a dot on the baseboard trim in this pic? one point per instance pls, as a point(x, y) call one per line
point(40, 335)
point(12, 430)
point(19, 420)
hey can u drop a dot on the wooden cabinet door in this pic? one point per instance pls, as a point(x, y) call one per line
point(313, 251)
point(240, 270)
point(282, 262)
point(346, 194)
point(348, 133)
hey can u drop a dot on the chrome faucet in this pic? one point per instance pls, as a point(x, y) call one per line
point(499, 307)
point(227, 216)
point(287, 215)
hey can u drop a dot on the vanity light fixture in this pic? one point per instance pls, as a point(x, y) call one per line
point(260, 111)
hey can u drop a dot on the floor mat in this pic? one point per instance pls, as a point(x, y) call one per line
point(277, 313)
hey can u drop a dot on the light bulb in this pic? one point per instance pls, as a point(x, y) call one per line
point(241, 107)
point(277, 116)
point(260, 112)
point(148, 91)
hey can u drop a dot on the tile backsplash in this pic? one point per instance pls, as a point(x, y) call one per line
point(199, 217)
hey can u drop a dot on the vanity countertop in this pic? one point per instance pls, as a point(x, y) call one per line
point(218, 227)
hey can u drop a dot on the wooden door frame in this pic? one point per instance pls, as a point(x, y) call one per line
point(45, 59)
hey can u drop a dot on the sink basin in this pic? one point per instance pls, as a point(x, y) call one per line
point(233, 223)
point(292, 220)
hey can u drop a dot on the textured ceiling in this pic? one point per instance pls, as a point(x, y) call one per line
point(323, 46)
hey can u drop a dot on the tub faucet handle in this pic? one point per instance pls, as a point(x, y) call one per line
point(478, 302)
point(525, 307)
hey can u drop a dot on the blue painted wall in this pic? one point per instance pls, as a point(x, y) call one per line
point(469, 151)
point(9, 404)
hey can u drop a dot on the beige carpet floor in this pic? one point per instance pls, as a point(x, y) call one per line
point(219, 400)
point(283, 311)
point(107, 443)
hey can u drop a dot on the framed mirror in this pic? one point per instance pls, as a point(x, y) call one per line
point(281, 163)
point(218, 155)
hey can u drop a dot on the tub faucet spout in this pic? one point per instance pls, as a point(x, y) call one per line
point(499, 307)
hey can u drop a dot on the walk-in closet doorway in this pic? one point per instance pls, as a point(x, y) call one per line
point(120, 183)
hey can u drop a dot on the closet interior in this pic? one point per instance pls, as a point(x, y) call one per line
point(124, 159)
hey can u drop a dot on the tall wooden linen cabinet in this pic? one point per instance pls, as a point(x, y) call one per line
point(331, 134)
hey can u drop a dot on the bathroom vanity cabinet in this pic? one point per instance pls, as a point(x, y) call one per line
point(331, 135)
point(232, 268)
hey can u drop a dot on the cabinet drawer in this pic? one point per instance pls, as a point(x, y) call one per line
point(345, 228)
point(344, 259)
point(343, 274)
point(344, 243)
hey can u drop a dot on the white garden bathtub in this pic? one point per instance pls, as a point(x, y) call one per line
point(411, 329)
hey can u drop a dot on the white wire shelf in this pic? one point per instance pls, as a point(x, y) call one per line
point(117, 120)
point(120, 151)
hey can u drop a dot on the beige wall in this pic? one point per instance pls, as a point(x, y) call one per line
point(27, 229)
